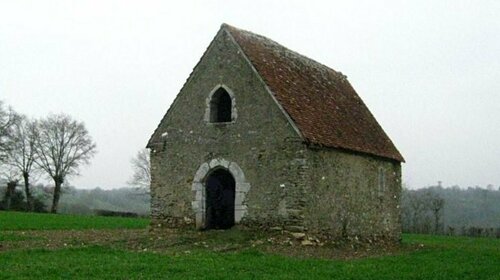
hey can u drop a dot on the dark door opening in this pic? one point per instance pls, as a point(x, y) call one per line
point(220, 189)
point(220, 106)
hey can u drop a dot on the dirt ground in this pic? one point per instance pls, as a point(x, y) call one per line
point(168, 241)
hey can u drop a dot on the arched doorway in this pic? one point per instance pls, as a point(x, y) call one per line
point(199, 187)
point(220, 194)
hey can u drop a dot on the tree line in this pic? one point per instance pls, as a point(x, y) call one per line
point(85, 201)
point(55, 146)
point(473, 211)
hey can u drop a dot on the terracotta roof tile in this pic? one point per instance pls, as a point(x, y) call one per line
point(320, 101)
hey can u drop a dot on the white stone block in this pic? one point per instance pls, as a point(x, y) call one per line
point(214, 163)
point(241, 207)
point(238, 215)
point(197, 186)
point(236, 172)
point(199, 196)
point(239, 198)
point(195, 205)
point(224, 163)
point(242, 187)
point(200, 220)
point(201, 172)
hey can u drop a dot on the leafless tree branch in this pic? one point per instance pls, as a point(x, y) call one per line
point(7, 119)
point(21, 154)
point(141, 167)
point(62, 146)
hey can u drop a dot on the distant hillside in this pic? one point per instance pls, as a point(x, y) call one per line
point(459, 210)
point(85, 202)
point(476, 207)
point(78, 201)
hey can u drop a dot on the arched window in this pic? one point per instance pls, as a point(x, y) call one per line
point(220, 106)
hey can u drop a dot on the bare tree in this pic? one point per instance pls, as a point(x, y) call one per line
point(21, 154)
point(7, 118)
point(418, 206)
point(142, 170)
point(11, 176)
point(62, 146)
point(436, 205)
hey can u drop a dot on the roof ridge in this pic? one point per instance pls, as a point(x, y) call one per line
point(319, 100)
point(228, 27)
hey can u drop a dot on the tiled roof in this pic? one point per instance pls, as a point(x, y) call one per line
point(320, 101)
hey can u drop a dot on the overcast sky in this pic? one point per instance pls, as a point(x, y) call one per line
point(428, 70)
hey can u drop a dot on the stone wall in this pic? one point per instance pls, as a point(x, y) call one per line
point(279, 181)
point(347, 197)
point(259, 140)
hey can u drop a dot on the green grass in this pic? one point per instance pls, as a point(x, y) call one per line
point(37, 221)
point(438, 257)
point(453, 260)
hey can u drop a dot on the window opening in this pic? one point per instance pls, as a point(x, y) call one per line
point(220, 106)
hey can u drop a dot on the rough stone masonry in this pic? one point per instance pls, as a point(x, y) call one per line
point(301, 150)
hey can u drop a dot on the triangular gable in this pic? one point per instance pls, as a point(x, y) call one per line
point(319, 102)
point(156, 137)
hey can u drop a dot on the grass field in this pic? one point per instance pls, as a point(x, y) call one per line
point(37, 221)
point(424, 257)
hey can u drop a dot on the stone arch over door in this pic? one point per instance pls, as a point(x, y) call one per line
point(199, 200)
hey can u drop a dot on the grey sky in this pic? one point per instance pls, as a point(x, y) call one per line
point(428, 70)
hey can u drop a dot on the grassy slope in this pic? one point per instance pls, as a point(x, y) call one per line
point(36, 221)
point(440, 258)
